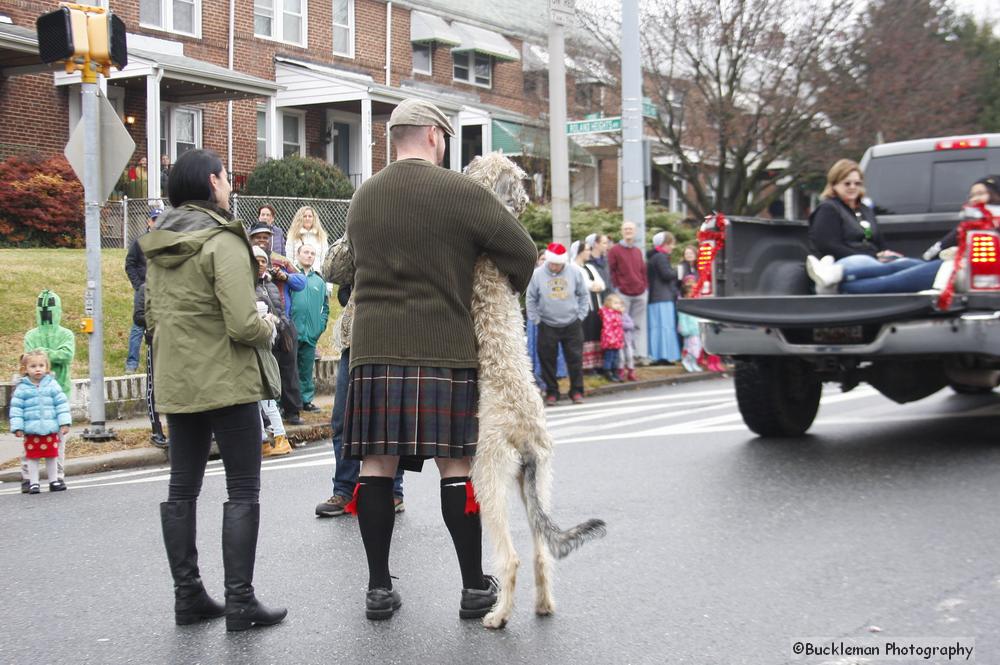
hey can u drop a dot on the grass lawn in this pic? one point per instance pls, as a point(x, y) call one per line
point(28, 271)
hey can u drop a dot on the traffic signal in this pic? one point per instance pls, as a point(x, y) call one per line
point(73, 34)
point(62, 35)
point(106, 34)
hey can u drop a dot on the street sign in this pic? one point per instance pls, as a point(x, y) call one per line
point(594, 126)
point(116, 147)
point(562, 12)
point(649, 109)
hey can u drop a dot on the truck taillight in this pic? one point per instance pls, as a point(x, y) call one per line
point(706, 251)
point(984, 261)
point(962, 144)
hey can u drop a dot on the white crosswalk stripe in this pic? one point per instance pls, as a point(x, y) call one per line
point(661, 418)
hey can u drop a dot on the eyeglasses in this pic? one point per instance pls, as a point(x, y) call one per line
point(852, 183)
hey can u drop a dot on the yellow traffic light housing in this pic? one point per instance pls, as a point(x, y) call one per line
point(87, 39)
point(106, 36)
point(62, 35)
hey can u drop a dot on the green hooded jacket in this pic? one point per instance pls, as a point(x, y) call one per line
point(58, 342)
point(210, 347)
point(311, 308)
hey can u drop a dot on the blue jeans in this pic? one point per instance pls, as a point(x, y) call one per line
point(134, 346)
point(866, 274)
point(345, 477)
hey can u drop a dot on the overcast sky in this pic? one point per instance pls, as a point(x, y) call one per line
point(981, 8)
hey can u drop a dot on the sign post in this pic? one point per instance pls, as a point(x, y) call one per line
point(560, 15)
point(89, 40)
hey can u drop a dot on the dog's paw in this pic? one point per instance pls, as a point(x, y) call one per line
point(544, 607)
point(494, 620)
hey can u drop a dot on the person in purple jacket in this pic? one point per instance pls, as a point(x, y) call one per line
point(266, 215)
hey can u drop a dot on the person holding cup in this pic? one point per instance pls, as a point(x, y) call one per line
point(269, 308)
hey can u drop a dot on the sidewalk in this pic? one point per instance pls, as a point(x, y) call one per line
point(11, 447)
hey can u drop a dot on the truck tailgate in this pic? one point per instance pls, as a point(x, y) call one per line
point(810, 311)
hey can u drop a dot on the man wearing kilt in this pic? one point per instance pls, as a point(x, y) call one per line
point(416, 230)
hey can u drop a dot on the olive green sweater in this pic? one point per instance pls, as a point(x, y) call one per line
point(416, 230)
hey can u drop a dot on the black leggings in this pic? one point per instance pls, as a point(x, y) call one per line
point(237, 431)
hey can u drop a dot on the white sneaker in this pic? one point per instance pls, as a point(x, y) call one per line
point(825, 273)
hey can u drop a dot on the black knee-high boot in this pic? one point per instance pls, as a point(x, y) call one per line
point(240, 523)
point(191, 602)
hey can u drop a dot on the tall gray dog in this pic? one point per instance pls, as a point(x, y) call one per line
point(513, 440)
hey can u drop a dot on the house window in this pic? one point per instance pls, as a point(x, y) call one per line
point(183, 16)
point(283, 20)
point(343, 28)
point(261, 136)
point(180, 131)
point(293, 134)
point(474, 68)
point(423, 57)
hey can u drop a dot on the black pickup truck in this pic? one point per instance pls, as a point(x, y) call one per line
point(758, 305)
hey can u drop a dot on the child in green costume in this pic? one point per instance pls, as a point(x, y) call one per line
point(60, 346)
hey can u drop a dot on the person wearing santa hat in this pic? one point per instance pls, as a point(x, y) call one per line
point(557, 302)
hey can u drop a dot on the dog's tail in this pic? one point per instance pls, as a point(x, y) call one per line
point(560, 542)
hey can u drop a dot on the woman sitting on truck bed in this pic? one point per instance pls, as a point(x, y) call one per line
point(844, 232)
point(986, 191)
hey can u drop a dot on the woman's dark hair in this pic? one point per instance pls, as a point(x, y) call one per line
point(274, 215)
point(992, 185)
point(189, 177)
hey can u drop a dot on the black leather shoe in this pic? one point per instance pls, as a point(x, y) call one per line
point(309, 406)
point(294, 420)
point(476, 603)
point(381, 603)
point(25, 486)
point(57, 485)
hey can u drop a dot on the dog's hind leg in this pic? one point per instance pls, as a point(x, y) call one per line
point(544, 602)
point(491, 476)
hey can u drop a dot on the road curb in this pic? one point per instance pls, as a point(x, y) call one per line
point(145, 457)
point(114, 461)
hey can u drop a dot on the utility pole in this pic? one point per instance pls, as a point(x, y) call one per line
point(560, 15)
point(89, 40)
point(633, 183)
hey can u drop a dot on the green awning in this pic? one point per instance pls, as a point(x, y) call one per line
point(526, 141)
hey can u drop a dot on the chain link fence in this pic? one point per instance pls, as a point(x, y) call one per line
point(124, 220)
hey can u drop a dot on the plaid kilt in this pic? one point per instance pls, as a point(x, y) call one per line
point(413, 412)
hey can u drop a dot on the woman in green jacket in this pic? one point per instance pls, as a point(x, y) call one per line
point(212, 353)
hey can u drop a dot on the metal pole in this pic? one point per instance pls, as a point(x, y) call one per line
point(633, 186)
point(93, 305)
point(558, 144)
point(125, 222)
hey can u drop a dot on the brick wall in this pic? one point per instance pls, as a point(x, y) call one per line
point(34, 96)
point(607, 195)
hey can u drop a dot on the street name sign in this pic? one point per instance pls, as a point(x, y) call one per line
point(597, 126)
point(562, 12)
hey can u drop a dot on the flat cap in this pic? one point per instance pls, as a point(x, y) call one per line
point(420, 113)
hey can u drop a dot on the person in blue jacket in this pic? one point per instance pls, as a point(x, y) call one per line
point(39, 413)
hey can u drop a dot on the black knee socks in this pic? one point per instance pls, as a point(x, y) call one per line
point(466, 532)
point(376, 516)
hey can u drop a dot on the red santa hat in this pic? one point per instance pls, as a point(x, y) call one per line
point(556, 253)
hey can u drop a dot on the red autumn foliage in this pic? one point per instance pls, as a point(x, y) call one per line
point(41, 203)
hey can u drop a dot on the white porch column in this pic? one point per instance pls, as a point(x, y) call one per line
point(273, 129)
point(153, 131)
point(455, 149)
point(367, 141)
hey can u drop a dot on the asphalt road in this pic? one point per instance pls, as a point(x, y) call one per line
point(722, 547)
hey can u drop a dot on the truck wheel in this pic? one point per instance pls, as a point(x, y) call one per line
point(778, 397)
point(963, 389)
